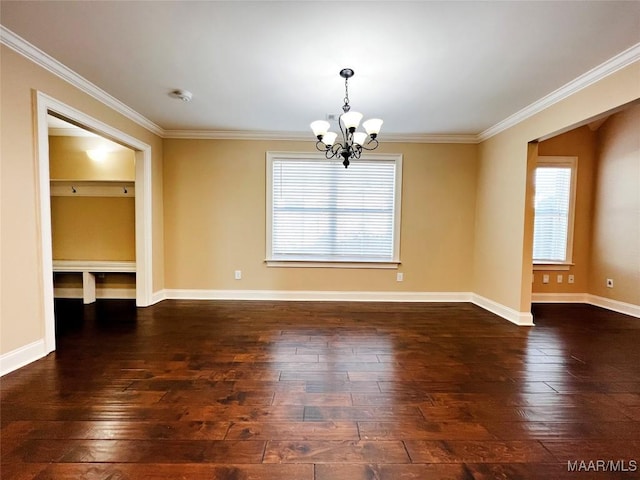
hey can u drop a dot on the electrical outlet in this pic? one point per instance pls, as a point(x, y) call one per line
point(609, 282)
point(545, 278)
point(399, 276)
point(571, 279)
point(559, 278)
point(238, 275)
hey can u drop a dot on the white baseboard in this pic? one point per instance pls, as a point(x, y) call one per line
point(22, 356)
point(519, 318)
point(615, 305)
point(109, 293)
point(524, 319)
point(602, 302)
point(307, 295)
point(157, 297)
point(560, 298)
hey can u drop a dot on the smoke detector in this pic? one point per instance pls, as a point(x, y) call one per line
point(184, 95)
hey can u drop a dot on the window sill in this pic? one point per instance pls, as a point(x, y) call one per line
point(552, 266)
point(331, 264)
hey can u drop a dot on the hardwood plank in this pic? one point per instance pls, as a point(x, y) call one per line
point(404, 398)
point(319, 451)
point(397, 413)
point(319, 399)
point(422, 430)
point(390, 472)
point(492, 451)
point(593, 449)
point(138, 451)
point(293, 431)
point(243, 413)
point(117, 430)
point(338, 387)
point(119, 471)
point(200, 397)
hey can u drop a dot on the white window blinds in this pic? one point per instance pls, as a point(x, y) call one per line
point(553, 213)
point(321, 211)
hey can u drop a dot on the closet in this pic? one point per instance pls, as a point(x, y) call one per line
point(92, 214)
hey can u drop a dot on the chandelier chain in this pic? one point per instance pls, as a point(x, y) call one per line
point(346, 107)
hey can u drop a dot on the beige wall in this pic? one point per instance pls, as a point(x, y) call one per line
point(68, 160)
point(22, 304)
point(581, 143)
point(93, 228)
point(215, 220)
point(615, 251)
point(503, 234)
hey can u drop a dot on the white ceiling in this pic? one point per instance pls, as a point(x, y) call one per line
point(424, 67)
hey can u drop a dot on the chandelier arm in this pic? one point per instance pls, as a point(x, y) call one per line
point(333, 151)
point(343, 129)
point(320, 148)
point(374, 142)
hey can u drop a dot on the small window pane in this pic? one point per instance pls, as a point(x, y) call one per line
point(552, 209)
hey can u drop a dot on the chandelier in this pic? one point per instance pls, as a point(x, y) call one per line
point(352, 143)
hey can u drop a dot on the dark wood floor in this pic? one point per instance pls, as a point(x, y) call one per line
point(324, 391)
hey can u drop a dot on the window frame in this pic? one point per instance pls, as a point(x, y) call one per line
point(396, 158)
point(559, 162)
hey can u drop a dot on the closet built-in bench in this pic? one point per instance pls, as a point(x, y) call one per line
point(89, 269)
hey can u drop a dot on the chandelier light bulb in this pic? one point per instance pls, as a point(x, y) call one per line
point(320, 128)
point(359, 138)
point(351, 120)
point(329, 138)
point(372, 126)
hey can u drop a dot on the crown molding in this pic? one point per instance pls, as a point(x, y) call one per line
point(42, 59)
point(618, 62)
point(429, 138)
point(235, 135)
point(302, 136)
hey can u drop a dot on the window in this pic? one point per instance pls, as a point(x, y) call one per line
point(321, 214)
point(555, 179)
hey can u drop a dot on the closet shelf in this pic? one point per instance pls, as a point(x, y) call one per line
point(92, 188)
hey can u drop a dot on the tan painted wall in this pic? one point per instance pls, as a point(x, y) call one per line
point(581, 143)
point(21, 308)
point(615, 251)
point(68, 160)
point(93, 228)
point(110, 280)
point(502, 259)
point(215, 220)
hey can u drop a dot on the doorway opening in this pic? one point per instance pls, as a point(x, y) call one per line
point(142, 265)
point(604, 230)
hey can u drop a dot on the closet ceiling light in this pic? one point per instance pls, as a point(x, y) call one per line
point(97, 154)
